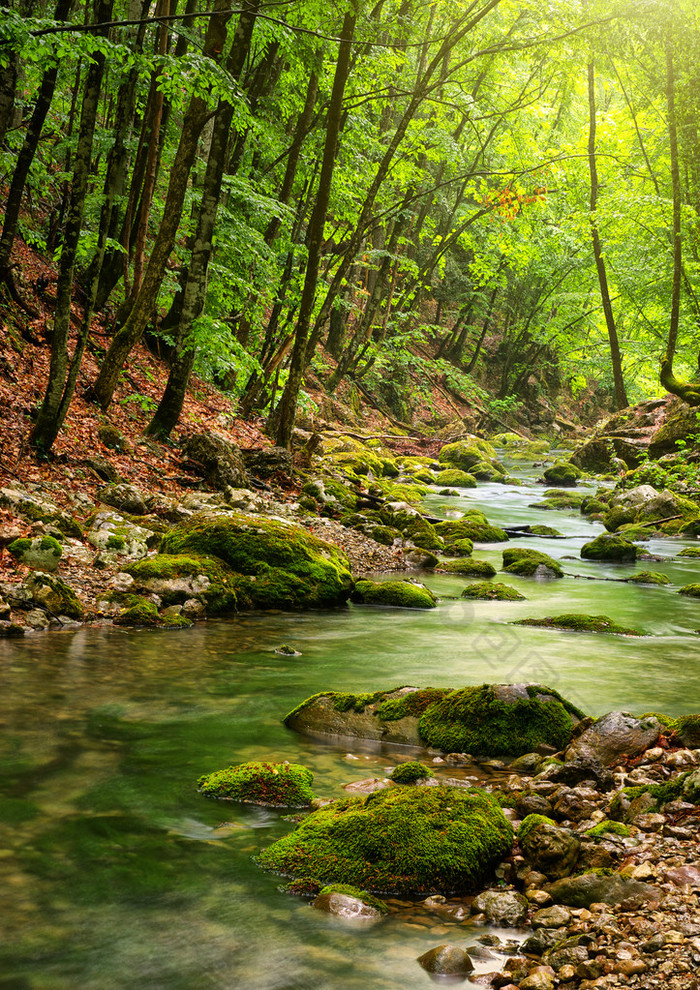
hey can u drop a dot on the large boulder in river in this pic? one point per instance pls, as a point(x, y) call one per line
point(279, 565)
point(464, 454)
point(615, 736)
point(610, 547)
point(405, 841)
point(488, 720)
point(178, 578)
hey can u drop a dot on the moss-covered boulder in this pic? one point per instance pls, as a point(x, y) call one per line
point(349, 903)
point(530, 563)
point(649, 577)
point(467, 566)
point(559, 499)
point(577, 622)
point(176, 578)
point(401, 841)
point(470, 528)
point(486, 591)
point(455, 477)
point(279, 565)
point(562, 474)
point(494, 719)
point(277, 785)
point(54, 594)
point(40, 553)
point(410, 772)
point(397, 594)
point(688, 730)
point(692, 552)
point(690, 590)
point(137, 613)
point(548, 531)
point(610, 547)
point(465, 454)
point(458, 548)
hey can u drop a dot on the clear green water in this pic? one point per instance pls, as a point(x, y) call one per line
point(115, 873)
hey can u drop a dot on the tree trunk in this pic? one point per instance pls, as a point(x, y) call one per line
point(129, 335)
point(615, 355)
point(56, 400)
point(286, 412)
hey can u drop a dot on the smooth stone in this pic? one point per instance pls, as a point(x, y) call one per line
point(446, 960)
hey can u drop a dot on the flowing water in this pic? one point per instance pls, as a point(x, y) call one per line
point(116, 874)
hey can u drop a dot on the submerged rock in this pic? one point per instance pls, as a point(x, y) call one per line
point(486, 591)
point(279, 785)
point(580, 623)
point(446, 960)
point(467, 566)
point(349, 903)
point(399, 594)
point(401, 840)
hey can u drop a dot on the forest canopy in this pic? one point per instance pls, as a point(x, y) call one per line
point(501, 196)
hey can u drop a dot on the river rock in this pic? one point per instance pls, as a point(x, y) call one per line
point(42, 553)
point(592, 888)
point(556, 916)
point(346, 906)
point(123, 498)
point(446, 960)
point(219, 461)
point(111, 531)
point(582, 768)
point(608, 546)
point(549, 848)
point(53, 593)
point(615, 735)
point(502, 907)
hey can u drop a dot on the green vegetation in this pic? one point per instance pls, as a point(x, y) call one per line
point(490, 721)
point(396, 594)
point(578, 622)
point(602, 829)
point(609, 547)
point(562, 473)
point(399, 841)
point(649, 577)
point(476, 529)
point(486, 591)
point(691, 590)
point(465, 565)
point(693, 552)
point(525, 562)
point(531, 822)
point(138, 612)
point(410, 772)
point(453, 477)
point(160, 573)
point(412, 704)
point(280, 785)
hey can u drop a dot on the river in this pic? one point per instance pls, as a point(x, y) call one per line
point(116, 873)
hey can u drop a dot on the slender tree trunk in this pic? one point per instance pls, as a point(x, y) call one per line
point(57, 398)
point(615, 355)
point(286, 412)
point(129, 335)
point(194, 293)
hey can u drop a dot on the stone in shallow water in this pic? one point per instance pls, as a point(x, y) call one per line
point(346, 907)
point(504, 907)
point(446, 960)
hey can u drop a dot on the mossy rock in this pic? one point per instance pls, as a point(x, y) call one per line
point(465, 453)
point(455, 477)
point(332, 495)
point(40, 553)
point(609, 547)
point(349, 891)
point(530, 822)
point(488, 471)
point(486, 591)
point(690, 590)
point(526, 562)
point(688, 730)
point(402, 841)
point(593, 507)
point(410, 705)
point(693, 552)
point(139, 612)
point(281, 566)
point(410, 772)
point(398, 594)
point(497, 719)
point(175, 578)
point(277, 785)
point(649, 577)
point(603, 829)
point(459, 548)
point(578, 622)
point(548, 531)
point(54, 594)
point(467, 566)
point(563, 474)
point(426, 477)
point(472, 529)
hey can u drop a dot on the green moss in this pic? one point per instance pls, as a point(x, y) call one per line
point(562, 473)
point(607, 547)
point(138, 613)
point(472, 568)
point(361, 895)
point(469, 528)
point(282, 785)
point(115, 542)
point(466, 453)
point(530, 822)
point(688, 730)
point(690, 552)
point(398, 594)
point(345, 702)
point(305, 704)
point(524, 561)
point(412, 704)
point(281, 566)
point(486, 591)
point(661, 793)
point(55, 594)
point(172, 620)
point(602, 829)
point(19, 547)
point(691, 590)
point(459, 548)
point(487, 471)
point(593, 506)
point(489, 721)
point(649, 577)
point(47, 544)
point(545, 531)
point(580, 623)
point(402, 841)
point(453, 476)
point(221, 594)
point(410, 772)
point(557, 499)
